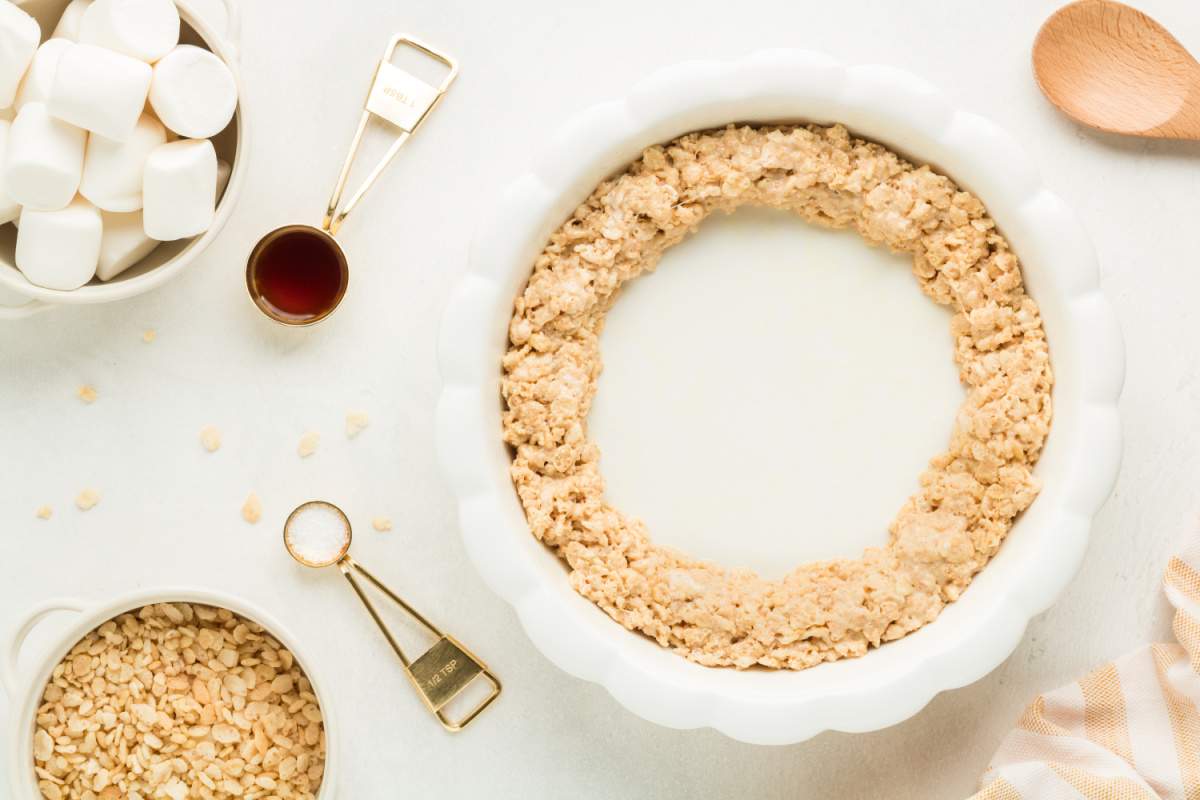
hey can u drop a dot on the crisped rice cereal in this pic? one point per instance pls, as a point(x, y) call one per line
point(176, 700)
point(356, 423)
point(87, 499)
point(308, 444)
point(969, 495)
point(252, 509)
point(210, 438)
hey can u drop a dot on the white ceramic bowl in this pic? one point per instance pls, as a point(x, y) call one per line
point(24, 689)
point(20, 298)
point(1044, 549)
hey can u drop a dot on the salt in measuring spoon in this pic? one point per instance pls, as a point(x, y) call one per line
point(297, 274)
point(317, 534)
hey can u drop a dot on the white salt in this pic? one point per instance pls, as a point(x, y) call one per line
point(318, 534)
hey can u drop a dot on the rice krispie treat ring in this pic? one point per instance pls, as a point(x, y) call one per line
point(968, 497)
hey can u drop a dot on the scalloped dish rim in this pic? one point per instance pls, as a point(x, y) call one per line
point(1047, 544)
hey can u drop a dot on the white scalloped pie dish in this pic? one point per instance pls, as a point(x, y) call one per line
point(1045, 547)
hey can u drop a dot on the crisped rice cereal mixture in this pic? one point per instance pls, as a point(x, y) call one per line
point(969, 495)
point(179, 701)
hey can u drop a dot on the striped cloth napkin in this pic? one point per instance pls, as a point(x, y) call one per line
point(1129, 730)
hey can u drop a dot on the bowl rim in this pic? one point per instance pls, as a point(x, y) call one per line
point(767, 86)
point(94, 293)
point(26, 686)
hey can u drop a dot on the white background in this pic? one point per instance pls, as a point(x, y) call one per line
point(169, 513)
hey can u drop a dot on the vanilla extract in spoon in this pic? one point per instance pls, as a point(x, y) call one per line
point(297, 274)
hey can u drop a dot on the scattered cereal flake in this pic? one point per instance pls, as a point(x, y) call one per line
point(45, 512)
point(382, 524)
point(308, 444)
point(355, 422)
point(87, 499)
point(210, 437)
point(252, 508)
point(87, 393)
point(149, 335)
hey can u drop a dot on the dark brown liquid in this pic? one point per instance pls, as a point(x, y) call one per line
point(297, 274)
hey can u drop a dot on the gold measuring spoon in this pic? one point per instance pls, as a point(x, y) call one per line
point(297, 274)
point(1114, 68)
point(317, 534)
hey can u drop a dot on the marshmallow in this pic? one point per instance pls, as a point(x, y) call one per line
point(123, 243)
point(142, 29)
point(99, 90)
point(193, 92)
point(179, 190)
point(112, 171)
point(19, 37)
point(43, 160)
point(9, 209)
point(68, 23)
point(35, 88)
point(59, 249)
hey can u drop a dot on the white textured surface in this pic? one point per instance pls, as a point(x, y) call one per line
point(170, 510)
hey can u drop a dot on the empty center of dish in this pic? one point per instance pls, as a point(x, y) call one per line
point(771, 392)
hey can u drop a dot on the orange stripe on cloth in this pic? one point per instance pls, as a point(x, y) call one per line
point(1185, 722)
point(1184, 577)
point(998, 789)
point(1104, 718)
point(1033, 719)
point(1094, 787)
point(1187, 631)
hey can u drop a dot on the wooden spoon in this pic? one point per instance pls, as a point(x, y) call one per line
point(1112, 67)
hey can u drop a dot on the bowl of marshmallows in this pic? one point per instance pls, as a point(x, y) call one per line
point(119, 128)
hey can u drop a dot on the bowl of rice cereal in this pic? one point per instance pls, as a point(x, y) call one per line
point(167, 694)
